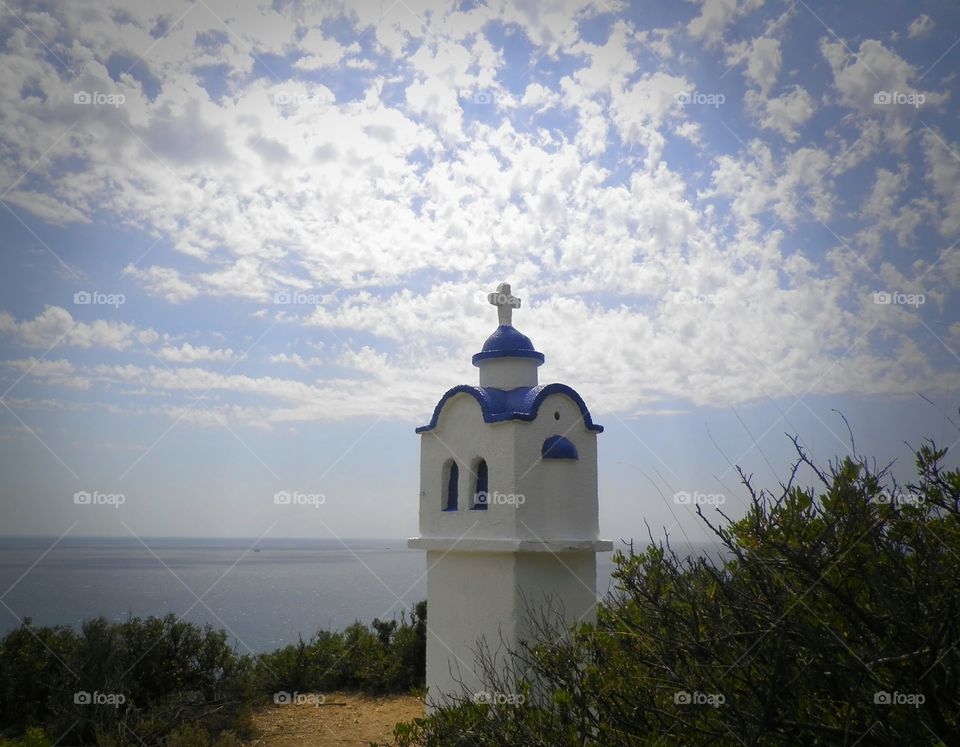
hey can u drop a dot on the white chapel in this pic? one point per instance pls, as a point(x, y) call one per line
point(508, 507)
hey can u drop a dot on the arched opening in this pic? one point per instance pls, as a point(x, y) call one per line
point(451, 482)
point(558, 447)
point(480, 488)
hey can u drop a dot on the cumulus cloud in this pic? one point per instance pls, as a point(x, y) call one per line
point(878, 82)
point(763, 58)
point(188, 353)
point(943, 174)
point(921, 27)
point(715, 16)
point(56, 326)
point(59, 372)
point(166, 282)
point(295, 359)
point(396, 178)
point(319, 51)
point(785, 114)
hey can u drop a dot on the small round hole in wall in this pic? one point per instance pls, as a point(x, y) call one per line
point(556, 415)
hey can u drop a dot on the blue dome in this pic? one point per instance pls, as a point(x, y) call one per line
point(507, 342)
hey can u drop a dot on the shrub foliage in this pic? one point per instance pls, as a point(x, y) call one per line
point(831, 618)
point(162, 681)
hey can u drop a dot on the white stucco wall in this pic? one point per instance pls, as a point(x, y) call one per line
point(486, 568)
point(489, 596)
point(462, 435)
point(559, 497)
point(469, 596)
point(508, 373)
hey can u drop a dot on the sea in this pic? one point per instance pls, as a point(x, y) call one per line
point(265, 594)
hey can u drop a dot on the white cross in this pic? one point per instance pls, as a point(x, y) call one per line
point(504, 302)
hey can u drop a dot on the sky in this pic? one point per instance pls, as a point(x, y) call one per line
point(246, 248)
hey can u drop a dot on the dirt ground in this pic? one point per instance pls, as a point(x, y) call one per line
point(343, 719)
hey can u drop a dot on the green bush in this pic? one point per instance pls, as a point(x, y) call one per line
point(179, 684)
point(117, 682)
point(33, 738)
point(833, 619)
point(387, 657)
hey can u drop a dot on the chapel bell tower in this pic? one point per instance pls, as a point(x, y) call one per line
point(508, 507)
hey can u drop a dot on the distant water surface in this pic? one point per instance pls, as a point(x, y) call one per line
point(264, 598)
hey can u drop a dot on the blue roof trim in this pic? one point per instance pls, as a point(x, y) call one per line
point(558, 447)
point(477, 357)
point(507, 342)
point(499, 405)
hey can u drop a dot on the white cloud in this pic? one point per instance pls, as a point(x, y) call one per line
point(763, 58)
point(784, 114)
point(884, 211)
point(942, 159)
point(922, 26)
point(868, 81)
point(188, 353)
point(295, 359)
point(55, 326)
point(320, 52)
point(166, 282)
point(387, 200)
point(715, 16)
point(60, 372)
